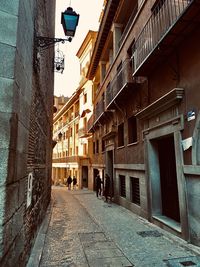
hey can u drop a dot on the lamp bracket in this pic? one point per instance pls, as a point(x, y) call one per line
point(45, 42)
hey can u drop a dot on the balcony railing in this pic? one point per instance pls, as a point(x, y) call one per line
point(122, 78)
point(131, 19)
point(164, 16)
point(82, 132)
point(67, 159)
point(99, 109)
point(90, 122)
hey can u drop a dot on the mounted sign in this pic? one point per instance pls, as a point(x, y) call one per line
point(191, 115)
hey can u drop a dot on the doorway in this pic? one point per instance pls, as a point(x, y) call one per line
point(84, 176)
point(168, 178)
point(109, 169)
point(95, 172)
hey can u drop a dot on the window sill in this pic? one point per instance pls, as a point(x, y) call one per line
point(133, 144)
point(168, 222)
point(120, 147)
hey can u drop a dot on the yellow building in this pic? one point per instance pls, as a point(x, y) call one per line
point(71, 153)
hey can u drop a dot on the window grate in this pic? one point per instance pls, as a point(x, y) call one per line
point(135, 190)
point(122, 185)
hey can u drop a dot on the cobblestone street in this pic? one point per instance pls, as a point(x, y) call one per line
point(85, 231)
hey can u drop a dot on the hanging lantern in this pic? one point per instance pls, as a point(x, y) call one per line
point(69, 21)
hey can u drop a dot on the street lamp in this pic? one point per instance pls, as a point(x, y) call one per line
point(69, 21)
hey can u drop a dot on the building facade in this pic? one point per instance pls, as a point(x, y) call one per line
point(145, 124)
point(26, 114)
point(71, 153)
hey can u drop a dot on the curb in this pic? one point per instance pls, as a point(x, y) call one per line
point(37, 250)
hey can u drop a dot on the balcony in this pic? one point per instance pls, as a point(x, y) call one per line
point(120, 84)
point(90, 123)
point(83, 132)
point(128, 25)
point(99, 109)
point(59, 160)
point(168, 24)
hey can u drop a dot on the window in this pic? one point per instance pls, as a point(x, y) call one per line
point(93, 147)
point(84, 149)
point(76, 150)
point(132, 130)
point(122, 182)
point(70, 151)
point(84, 98)
point(85, 123)
point(135, 190)
point(97, 146)
point(77, 128)
point(121, 135)
point(102, 146)
point(130, 52)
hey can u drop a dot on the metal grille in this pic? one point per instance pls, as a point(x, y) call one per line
point(183, 261)
point(135, 190)
point(122, 77)
point(122, 185)
point(150, 233)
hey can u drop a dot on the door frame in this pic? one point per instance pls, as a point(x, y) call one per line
point(153, 175)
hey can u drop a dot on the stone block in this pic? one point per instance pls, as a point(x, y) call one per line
point(21, 165)
point(22, 191)
point(7, 55)
point(14, 253)
point(22, 138)
point(6, 95)
point(4, 153)
point(2, 204)
point(17, 221)
point(12, 197)
point(8, 28)
point(5, 130)
point(10, 6)
point(193, 189)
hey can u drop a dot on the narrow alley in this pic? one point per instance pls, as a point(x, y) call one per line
point(81, 230)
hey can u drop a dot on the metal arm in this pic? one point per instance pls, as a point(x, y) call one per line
point(45, 42)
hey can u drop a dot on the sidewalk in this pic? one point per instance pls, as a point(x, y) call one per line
point(85, 231)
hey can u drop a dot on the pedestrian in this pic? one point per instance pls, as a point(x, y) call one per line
point(98, 185)
point(69, 181)
point(107, 187)
point(74, 181)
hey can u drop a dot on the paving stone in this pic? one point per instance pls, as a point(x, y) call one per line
point(111, 262)
point(85, 232)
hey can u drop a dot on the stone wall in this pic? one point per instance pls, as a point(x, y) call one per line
point(26, 103)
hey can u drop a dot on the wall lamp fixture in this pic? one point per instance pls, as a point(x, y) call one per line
point(69, 21)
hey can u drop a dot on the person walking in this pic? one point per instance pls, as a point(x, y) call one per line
point(107, 187)
point(98, 185)
point(74, 182)
point(69, 181)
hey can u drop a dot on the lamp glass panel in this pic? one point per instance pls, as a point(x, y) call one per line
point(70, 22)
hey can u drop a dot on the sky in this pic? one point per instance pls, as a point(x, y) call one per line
point(89, 11)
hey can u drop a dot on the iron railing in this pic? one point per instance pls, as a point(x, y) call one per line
point(90, 122)
point(82, 131)
point(164, 16)
point(99, 109)
point(128, 25)
point(120, 80)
